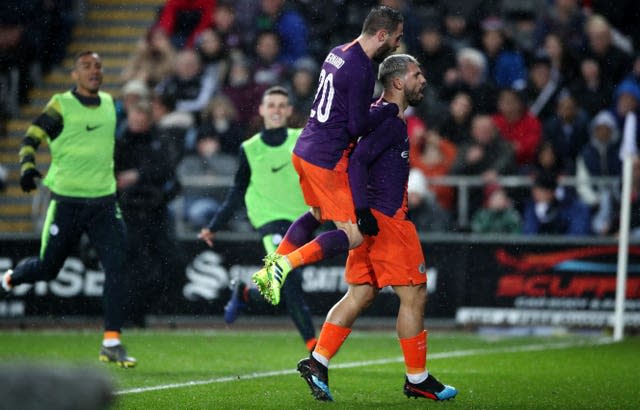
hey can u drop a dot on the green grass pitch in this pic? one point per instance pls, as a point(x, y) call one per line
point(255, 369)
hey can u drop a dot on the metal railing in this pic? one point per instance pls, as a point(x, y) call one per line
point(462, 184)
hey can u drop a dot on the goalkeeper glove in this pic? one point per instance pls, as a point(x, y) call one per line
point(367, 223)
point(28, 179)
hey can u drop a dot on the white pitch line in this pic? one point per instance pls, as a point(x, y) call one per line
point(349, 365)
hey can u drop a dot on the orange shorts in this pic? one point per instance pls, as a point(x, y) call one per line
point(327, 190)
point(394, 257)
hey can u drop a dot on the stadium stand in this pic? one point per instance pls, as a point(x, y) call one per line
point(109, 27)
point(553, 52)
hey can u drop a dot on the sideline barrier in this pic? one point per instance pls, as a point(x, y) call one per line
point(478, 279)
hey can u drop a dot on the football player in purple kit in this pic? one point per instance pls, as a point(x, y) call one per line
point(340, 114)
point(391, 254)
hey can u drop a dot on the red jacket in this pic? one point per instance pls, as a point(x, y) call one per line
point(173, 7)
point(524, 135)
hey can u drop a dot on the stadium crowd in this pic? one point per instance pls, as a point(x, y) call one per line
point(536, 88)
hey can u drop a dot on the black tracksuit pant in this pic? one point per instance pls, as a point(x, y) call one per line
point(67, 219)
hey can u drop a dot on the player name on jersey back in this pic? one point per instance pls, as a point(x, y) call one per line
point(334, 60)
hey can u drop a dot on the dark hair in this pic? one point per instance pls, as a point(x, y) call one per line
point(519, 94)
point(81, 54)
point(267, 32)
point(546, 180)
point(381, 18)
point(276, 89)
point(167, 98)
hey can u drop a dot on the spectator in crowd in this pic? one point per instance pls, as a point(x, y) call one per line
point(564, 18)
point(488, 154)
point(192, 86)
point(435, 56)
point(153, 59)
point(324, 28)
point(547, 160)
point(201, 204)
point(21, 43)
point(214, 56)
point(352, 15)
point(183, 20)
point(564, 65)
point(277, 16)
point(174, 128)
point(552, 212)
point(456, 28)
point(521, 24)
point(622, 15)
point(434, 156)
point(567, 130)
point(506, 67)
point(302, 90)
point(133, 92)
point(268, 70)
point(224, 22)
point(424, 210)
point(498, 214)
point(219, 121)
point(518, 126)
point(626, 99)
point(457, 123)
point(470, 77)
point(142, 176)
point(615, 62)
point(412, 22)
point(593, 89)
point(609, 224)
point(542, 89)
point(244, 93)
point(634, 76)
point(599, 158)
point(59, 20)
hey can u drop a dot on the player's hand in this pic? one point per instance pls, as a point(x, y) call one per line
point(367, 223)
point(28, 179)
point(207, 236)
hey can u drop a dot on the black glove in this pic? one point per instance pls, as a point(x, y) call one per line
point(367, 223)
point(28, 179)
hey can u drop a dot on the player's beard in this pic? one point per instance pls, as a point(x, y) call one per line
point(415, 98)
point(382, 53)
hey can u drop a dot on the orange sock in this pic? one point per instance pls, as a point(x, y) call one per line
point(306, 255)
point(330, 339)
point(111, 334)
point(414, 350)
point(311, 343)
point(285, 247)
point(111, 338)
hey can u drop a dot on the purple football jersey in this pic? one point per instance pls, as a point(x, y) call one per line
point(340, 112)
point(379, 169)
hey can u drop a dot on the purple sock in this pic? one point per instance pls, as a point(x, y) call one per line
point(333, 243)
point(299, 233)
